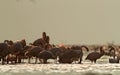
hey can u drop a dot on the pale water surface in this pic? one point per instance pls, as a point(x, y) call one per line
point(102, 67)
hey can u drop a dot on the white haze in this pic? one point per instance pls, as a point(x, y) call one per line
point(65, 21)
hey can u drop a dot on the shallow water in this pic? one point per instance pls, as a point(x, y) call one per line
point(102, 67)
point(60, 69)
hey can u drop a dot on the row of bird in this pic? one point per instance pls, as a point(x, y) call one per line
point(14, 52)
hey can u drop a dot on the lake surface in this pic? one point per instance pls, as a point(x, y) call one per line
point(102, 67)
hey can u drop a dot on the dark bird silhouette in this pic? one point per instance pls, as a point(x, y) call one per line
point(4, 51)
point(95, 55)
point(75, 54)
point(114, 59)
point(50, 54)
point(33, 52)
point(16, 48)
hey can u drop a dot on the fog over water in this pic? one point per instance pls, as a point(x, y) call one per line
point(65, 21)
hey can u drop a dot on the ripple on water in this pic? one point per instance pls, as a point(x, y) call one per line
point(61, 69)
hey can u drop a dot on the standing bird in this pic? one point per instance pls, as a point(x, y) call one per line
point(95, 55)
point(114, 59)
point(74, 54)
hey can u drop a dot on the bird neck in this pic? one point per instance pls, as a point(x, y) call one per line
point(101, 54)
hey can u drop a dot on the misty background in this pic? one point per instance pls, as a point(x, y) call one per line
point(65, 21)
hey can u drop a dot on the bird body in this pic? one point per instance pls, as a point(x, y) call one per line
point(93, 56)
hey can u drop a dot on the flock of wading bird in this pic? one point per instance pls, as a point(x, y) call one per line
point(13, 52)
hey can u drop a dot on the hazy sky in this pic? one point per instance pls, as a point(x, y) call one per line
point(65, 21)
